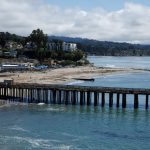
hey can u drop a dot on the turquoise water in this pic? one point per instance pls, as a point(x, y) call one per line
point(59, 127)
point(73, 127)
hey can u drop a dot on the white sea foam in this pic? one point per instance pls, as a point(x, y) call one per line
point(110, 66)
point(9, 104)
point(38, 143)
point(17, 128)
point(74, 137)
point(64, 147)
point(4, 105)
point(75, 82)
point(40, 104)
point(54, 109)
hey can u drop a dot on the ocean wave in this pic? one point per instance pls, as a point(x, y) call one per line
point(17, 128)
point(5, 104)
point(37, 143)
point(54, 109)
point(110, 66)
point(10, 104)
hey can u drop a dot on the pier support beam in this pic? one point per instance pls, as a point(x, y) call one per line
point(136, 101)
point(103, 100)
point(73, 97)
point(95, 98)
point(88, 98)
point(60, 98)
point(38, 95)
point(0, 93)
point(118, 98)
point(19, 95)
point(66, 97)
point(31, 91)
point(22, 94)
point(5, 92)
point(28, 95)
point(81, 98)
point(124, 100)
point(146, 105)
point(46, 96)
point(110, 99)
point(54, 96)
point(13, 94)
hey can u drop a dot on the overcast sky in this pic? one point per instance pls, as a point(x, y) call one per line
point(111, 20)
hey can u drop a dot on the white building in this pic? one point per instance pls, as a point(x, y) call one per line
point(69, 46)
point(62, 46)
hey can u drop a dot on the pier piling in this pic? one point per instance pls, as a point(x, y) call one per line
point(118, 98)
point(64, 94)
point(88, 98)
point(123, 100)
point(81, 98)
point(95, 98)
point(103, 99)
point(146, 105)
point(110, 99)
point(136, 101)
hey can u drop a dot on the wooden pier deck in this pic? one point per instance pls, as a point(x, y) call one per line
point(71, 94)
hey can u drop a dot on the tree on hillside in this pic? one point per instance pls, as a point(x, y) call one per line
point(40, 40)
point(2, 39)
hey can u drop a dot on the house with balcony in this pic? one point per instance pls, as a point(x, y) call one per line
point(13, 45)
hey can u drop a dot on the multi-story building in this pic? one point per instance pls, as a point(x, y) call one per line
point(62, 46)
point(54, 46)
point(69, 46)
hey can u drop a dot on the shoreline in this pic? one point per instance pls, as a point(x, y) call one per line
point(63, 75)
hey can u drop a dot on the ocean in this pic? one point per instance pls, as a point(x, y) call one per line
point(60, 127)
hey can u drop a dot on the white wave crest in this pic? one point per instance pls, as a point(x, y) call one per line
point(38, 143)
point(17, 128)
point(40, 104)
point(54, 109)
point(110, 66)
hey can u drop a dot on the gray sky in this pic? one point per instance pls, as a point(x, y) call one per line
point(126, 20)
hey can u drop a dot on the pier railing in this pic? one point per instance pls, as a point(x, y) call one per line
point(71, 94)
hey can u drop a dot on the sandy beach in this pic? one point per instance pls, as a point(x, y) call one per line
point(60, 75)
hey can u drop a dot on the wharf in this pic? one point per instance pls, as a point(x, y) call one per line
point(71, 94)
